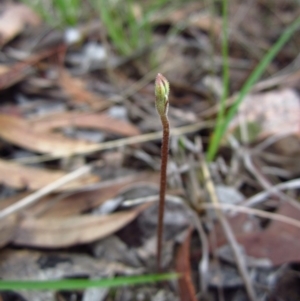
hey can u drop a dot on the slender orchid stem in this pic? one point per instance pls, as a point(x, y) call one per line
point(163, 185)
point(162, 104)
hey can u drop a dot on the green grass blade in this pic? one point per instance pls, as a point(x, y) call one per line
point(69, 284)
point(253, 78)
point(133, 32)
point(68, 11)
point(213, 146)
point(113, 23)
point(44, 11)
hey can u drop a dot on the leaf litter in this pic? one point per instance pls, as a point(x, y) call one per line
point(58, 99)
point(13, 20)
point(20, 177)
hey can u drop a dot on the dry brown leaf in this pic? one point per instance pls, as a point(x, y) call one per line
point(13, 199)
point(13, 20)
point(7, 229)
point(19, 132)
point(207, 23)
point(10, 75)
point(84, 120)
point(76, 90)
point(27, 264)
point(177, 15)
point(192, 14)
point(3, 69)
point(275, 113)
point(20, 176)
point(183, 267)
point(66, 232)
point(83, 201)
point(279, 242)
point(78, 202)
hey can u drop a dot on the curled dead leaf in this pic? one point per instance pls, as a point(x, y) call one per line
point(13, 19)
point(19, 132)
point(83, 201)
point(273, 113)
point(20, 176)
point(279, 242)
point(66, 232)
point(12, 74)
point(7, 229)
point(76, 90)
point(93, 121)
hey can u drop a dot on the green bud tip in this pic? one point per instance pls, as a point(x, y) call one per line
point(162, 91)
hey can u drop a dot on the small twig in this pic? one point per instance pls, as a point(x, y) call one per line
point(261, 196)
point(241, 265)
point(263, 180)
point(235, 208)
point(203, 264)
point(257, 212)
point(162, 104)
point(32, 198)
point(120, 142)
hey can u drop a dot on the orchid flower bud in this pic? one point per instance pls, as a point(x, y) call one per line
point(162, 91)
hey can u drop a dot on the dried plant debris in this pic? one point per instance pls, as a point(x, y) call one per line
point(73, 203)
point(275, 245)
point(94, 121)
point(13, 20)
point(77, 92)
point(274, 114)
point(70, 99)
point(24, 177)
point(66, 232)
point(25, 265)
point(186, 287)
point(14, 130)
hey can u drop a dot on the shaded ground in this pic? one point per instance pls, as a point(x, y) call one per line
point(80, 108)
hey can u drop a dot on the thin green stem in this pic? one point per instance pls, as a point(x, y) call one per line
point(253, 78)
point(163, 185)
point(213, 146)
